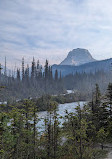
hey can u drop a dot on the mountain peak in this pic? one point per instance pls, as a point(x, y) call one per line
point(77, 57)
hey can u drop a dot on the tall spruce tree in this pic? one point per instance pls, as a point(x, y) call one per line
point(5, 70)
point(18, 74)
point(33, 69)
point(23, 72)
point(96, 103)
point(46, 69)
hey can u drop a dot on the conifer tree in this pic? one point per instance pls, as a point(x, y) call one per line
point(23, 72)
point(27, 74)
point(51, 75)
point(56, 75)
point(33, 69)
point(6, 138)
point(18, 74)
point(52, 132)
point(35, 132)
point(0, 71)
point(96, 104)
point(5, 71)
point(38, 64)
point(17, 125)
point(46, 69)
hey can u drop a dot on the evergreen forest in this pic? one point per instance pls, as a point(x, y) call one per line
point(85, 133)
point(34, 81)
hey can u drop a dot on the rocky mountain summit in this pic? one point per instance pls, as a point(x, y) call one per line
point(78, 57)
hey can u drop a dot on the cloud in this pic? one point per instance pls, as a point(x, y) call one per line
point(48, 29)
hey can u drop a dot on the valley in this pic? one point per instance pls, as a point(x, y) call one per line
point(50, 109)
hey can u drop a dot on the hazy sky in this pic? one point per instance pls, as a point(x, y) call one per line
point(51, 28)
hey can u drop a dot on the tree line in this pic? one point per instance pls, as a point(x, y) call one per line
point(85, 82)
point(35, 81)
point(30, 82)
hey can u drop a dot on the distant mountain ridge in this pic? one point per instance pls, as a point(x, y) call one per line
point(78, 57)
point(91, 67)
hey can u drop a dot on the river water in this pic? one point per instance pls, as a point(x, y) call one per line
point(70, 107)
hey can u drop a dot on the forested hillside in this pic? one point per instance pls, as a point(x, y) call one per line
point(85, 82)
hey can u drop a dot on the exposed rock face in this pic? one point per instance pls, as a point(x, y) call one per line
point(78, 57)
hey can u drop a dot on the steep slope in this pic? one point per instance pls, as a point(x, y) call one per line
point(78, 57)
